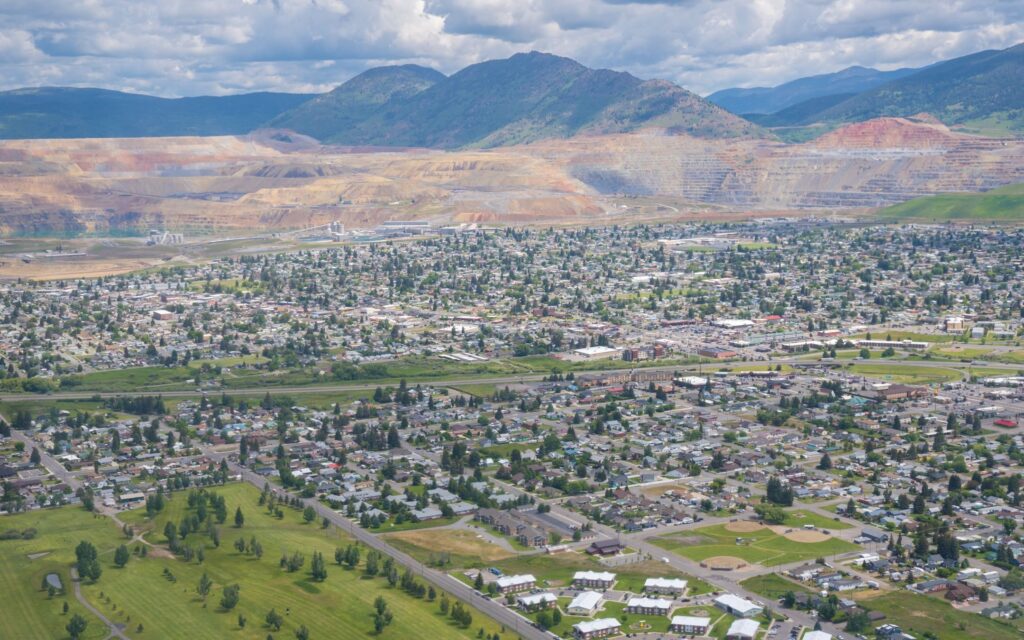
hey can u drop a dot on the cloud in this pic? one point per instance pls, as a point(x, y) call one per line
point(192, 47)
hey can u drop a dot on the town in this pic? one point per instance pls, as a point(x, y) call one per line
point(772, 430)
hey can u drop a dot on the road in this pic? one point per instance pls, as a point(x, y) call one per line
point(498, 612)
point(115, 629)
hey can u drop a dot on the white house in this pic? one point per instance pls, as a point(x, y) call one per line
point(585, 604)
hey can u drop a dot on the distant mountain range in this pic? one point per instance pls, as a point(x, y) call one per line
point(527, 97)
point(535, 96)
point(848, 82)
point(65, 112)
point(983, 91)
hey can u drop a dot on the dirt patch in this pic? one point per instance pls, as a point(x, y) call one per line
point(723, 563)
point(805, 535)
point(466, 543)
point(36, 556)
point(744, 526)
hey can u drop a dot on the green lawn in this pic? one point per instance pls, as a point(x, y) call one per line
point(898, 334)
point(800, 517)
point(773, 586)
point(1005, 204)
point(172, 609)
point(908, 374)
point(28, 611)
point(917, 614)
point(761, 547)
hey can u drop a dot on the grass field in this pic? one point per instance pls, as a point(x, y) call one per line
point(28, 612)
point(773, 586)
point(465, 549)
point(1005, 203)
point(906, 373)
point(172, 609)
point(916, 614)
point(897, 334)
point(800, 517)
point(763, 547)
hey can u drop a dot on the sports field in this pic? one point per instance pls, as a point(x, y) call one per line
point(764, 546)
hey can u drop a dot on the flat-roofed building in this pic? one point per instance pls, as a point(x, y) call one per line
point(742, 630)
point(738, 606)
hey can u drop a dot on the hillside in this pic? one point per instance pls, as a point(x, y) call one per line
point(1004, 203)
point(966, 90)
point(763, 100)
point(65, 112)
point(356, 100)
point(521, 99)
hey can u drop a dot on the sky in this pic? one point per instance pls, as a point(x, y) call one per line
point(215, 47)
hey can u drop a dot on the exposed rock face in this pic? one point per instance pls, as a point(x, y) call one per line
point(234, 184)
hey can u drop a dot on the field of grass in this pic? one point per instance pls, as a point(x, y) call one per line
point(28, 611)
point(465, 549)
point(916, 614)
point(800, 517)
point(906, 373)
point(478, 390)
point(773, 586)
point(898, 334)
point(343, 601)
point(763, 547)
point(1005, 203)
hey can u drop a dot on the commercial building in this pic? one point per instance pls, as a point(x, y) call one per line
point(742, 630)
point(585, 604)
point(599, 628)
point(738, 606)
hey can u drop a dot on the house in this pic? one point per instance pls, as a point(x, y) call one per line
point(595, 628)
point(807, 571)
point(585, 604)
point(537, 601)
point(605, 547)
point(668, 586)
point(649, 606)
point(742, 630)
point(737, 606)
point(516, 584)
point(690, 625)
point(593, 580)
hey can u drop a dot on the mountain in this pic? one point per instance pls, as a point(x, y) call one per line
point(967, 90)
point(65, 112)
point(527, 97)
point(849, 81)
point(356, 100)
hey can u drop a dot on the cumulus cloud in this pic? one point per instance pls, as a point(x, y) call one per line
point(193, 47)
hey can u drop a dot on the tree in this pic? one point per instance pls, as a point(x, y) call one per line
point(203, 588)
point(309, 514)
point(825, 463)
point(478, 584)
point(76, 626)
point(770, 513)
point(239, 518)
point(858, 622)
point(302, 633)
point(274, 620)
point(34, 456)
point(87, 563)
point(318, 567)
point(229, 599)
point(121, 556)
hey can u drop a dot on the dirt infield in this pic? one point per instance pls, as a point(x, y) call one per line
point(743, 526)
point(804, 535)
point(723, 563)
